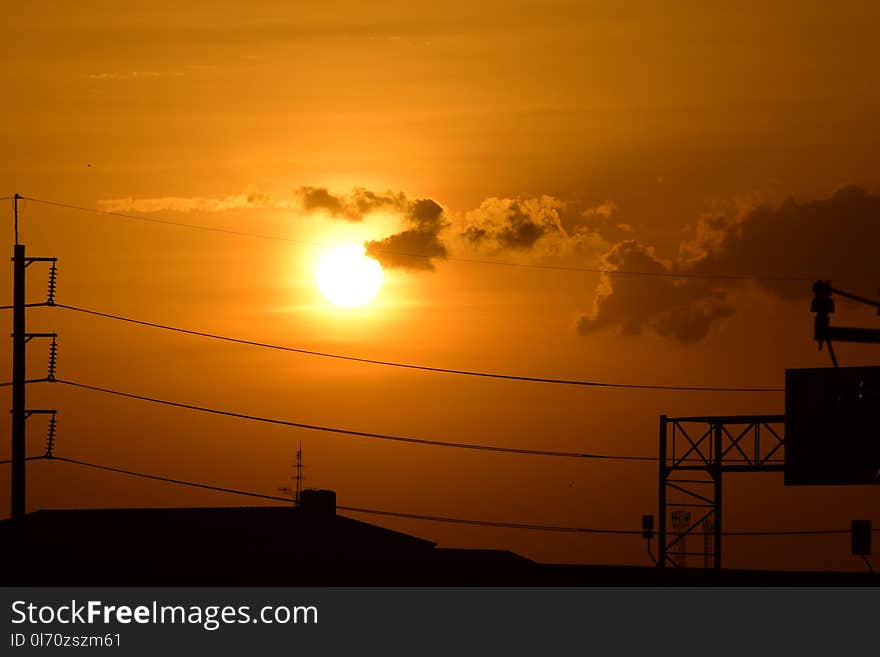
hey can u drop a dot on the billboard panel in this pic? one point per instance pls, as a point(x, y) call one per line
point(832, 426)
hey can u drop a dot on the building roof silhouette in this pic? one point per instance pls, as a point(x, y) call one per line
point(267, 545)
point(290, 546)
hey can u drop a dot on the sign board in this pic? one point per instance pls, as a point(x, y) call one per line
point(648, 526)
point(832, 426)
point(861, 537)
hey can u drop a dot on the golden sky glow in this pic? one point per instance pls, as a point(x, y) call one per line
point(642, 136)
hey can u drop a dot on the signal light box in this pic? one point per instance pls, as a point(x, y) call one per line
point(832, 426)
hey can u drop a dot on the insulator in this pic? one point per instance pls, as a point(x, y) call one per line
point(50, 438)
point(53, 359)
point(53, 276)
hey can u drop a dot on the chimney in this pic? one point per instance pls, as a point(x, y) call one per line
point(318, 501)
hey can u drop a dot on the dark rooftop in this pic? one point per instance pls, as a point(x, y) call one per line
point(285, 545)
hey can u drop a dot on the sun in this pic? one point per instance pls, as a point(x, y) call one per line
point(347, 277)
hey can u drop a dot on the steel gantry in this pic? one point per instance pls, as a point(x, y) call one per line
point(694, 454)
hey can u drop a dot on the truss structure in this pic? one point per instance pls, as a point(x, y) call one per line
point(694, 454)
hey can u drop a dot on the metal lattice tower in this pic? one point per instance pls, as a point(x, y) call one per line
point(694, 454)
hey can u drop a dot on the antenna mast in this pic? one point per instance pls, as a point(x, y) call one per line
point(297, 491)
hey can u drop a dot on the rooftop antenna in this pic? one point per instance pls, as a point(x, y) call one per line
point(298, 478)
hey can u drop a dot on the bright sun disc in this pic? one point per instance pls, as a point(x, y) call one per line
point(347, 277)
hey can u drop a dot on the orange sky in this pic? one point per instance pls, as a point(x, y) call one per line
point(571, 133)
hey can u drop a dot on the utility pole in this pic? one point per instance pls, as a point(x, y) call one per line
point(20, 338)
point(18, 375)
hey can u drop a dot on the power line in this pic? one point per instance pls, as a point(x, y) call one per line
point(446, 519)
point(425, 368)
point(27, 458)
point(478, 261)
point(360, 434)
point(169, 479)
point(181, 224)
point(348, 508)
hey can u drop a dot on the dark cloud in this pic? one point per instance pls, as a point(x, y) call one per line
point(351, 207)
point(318, 198)
point(520, 231)
point(832, 238)
point(829, 238)
point(536, 228)
point(363, 201)
point(417, 245)
point(684, 309)
point(512, 223)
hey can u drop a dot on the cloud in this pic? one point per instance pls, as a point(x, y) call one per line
point(504, 223)
point(134, 75)
point(192, 203)
point(682, 308)
point(605, 210)
point(523, 230)
point(418, 244)
point(832, 238)
point(318, 198)
point(532, 229)
point(827, 238)
point(351, 207)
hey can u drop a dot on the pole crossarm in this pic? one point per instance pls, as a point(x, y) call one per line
point(39, 411)
point(705, 447)
point(29, 261)
point(30, 336)
point(849, 334)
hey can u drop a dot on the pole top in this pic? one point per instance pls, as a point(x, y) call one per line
point(15, 198)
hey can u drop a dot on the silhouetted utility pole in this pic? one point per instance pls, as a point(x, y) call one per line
point(18, 377)
point(20, 338)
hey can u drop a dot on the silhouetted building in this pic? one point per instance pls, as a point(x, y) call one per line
point(285, 545)
point(258, 545)
point(318, 500)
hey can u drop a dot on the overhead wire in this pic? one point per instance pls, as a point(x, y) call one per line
point(444, 519)
point(351, 432)
point(413, 366)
